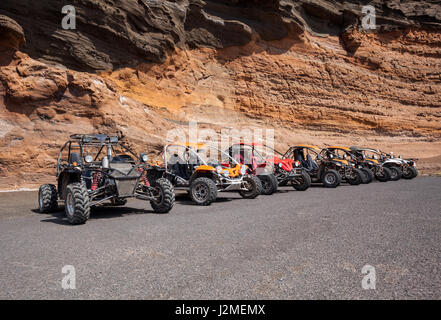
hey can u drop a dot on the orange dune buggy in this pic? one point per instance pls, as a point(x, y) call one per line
point(203, 170)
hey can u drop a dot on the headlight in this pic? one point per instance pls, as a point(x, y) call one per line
point(218, 169)
point(243, 170)
point(144, 157)
point(280, 164)
point(226, 173)
point(338, 164)
point(88, 158)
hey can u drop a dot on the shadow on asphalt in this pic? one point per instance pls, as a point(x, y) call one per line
point(185, 200)
point(101, 212)
point(110, 212)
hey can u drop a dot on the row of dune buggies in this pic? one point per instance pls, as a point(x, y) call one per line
point(96, 169)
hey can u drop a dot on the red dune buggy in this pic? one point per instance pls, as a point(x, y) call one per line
point(270, 166)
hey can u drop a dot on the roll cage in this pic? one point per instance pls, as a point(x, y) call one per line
point(332, 151)
point(82, 142)
point(196, 159)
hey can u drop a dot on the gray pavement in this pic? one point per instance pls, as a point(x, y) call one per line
point(291, 245)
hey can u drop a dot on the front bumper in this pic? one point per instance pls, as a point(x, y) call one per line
point(226, 184)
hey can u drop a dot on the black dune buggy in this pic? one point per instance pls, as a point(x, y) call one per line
point(320, 169)
point(347, 154)
point(94, 168)
point(347, 169)
point(372, 159)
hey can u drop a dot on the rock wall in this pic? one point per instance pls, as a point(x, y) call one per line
point(304, 68)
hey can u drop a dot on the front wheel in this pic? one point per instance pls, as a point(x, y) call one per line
point(356, 177)
point(383, 174)
point(77, 203)
point(331, 179)
point(47, 198)
point(303, 182)
point(203, 191)
point(269, 184)
point(410, 173)
point(395, 174)
point(369, 175)
point(163, 196)
point(252, 186)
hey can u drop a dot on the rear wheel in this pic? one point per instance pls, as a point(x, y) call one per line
point(396, 173)
point(331, 179)
point(383, 174)
point(356, 177)
point(77, 203)
point(303, 182)
point(269, 184)
point(47, 198)
point(368, 174)
point(163, 196)
point(253, 187)
point(203, 191)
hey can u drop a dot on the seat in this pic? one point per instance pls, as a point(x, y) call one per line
point(312, 165)
point(75, 157)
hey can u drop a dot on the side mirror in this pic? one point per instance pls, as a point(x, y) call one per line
point(143, 157)
point(319, 157)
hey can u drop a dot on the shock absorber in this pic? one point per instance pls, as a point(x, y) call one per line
point(144, 177)
point(96, 180)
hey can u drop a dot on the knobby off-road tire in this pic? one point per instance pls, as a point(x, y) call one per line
point(303, 182)
point(203, 191)
point(331, 179)
point(385, 176)
point(269, 183)
point(357, 178)
point(77, 203)
point(47, 198)
point(396, 173)
point(410, 173)
point(255, 187)
point(369, 175)
point(165, 196)
point(414, 171)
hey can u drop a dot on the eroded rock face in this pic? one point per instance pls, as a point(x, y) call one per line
point(302, 67)
point(11, 33)
point(116, 33)
point(41, 105)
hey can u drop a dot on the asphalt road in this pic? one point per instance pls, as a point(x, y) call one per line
point(290, 245)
